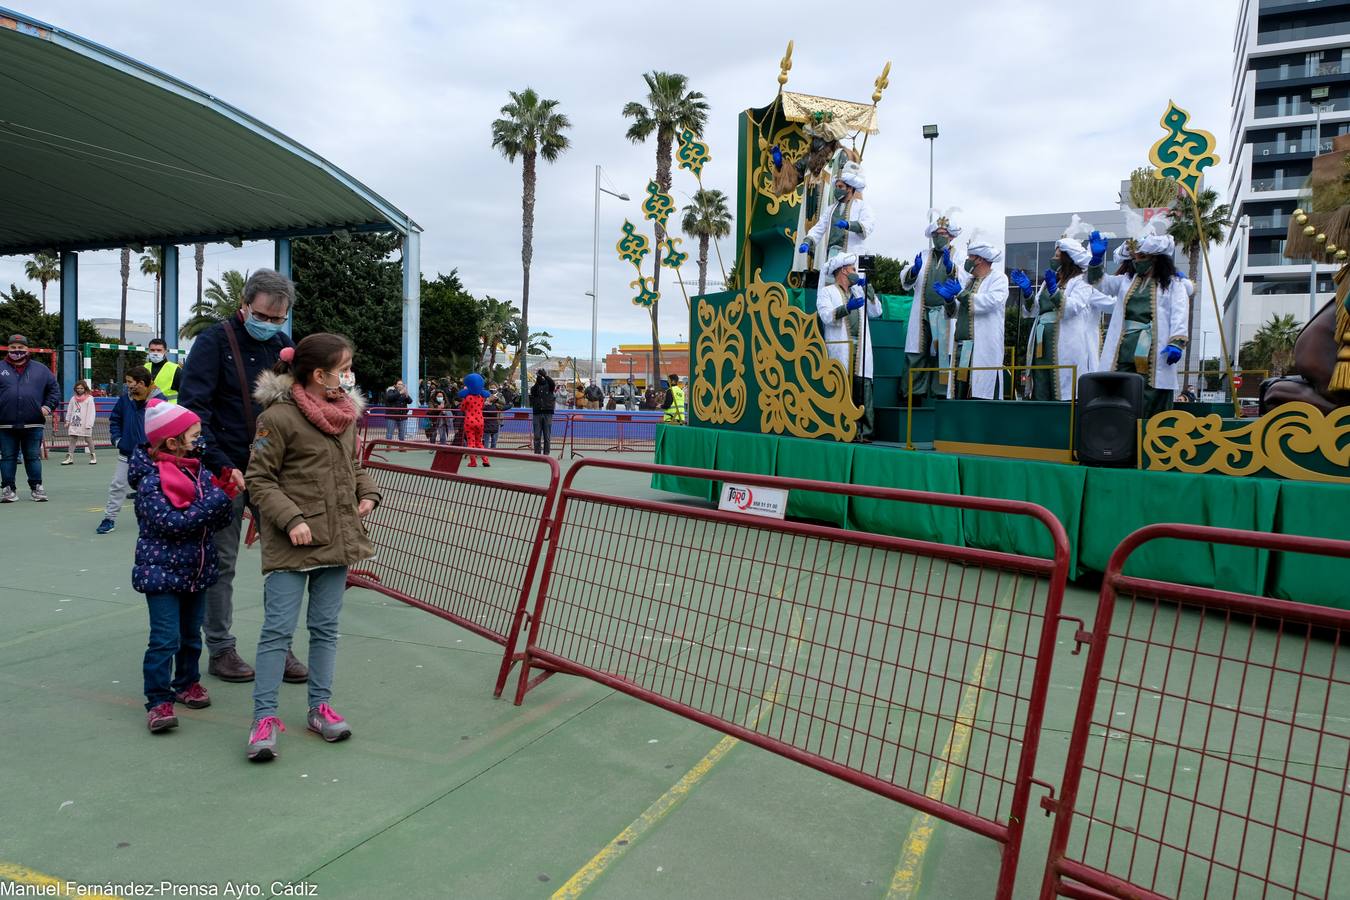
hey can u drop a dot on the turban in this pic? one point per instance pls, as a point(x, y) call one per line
point(1075, 251)
point(1157, 245)
point(853, 177)
point(984, 251)
point(838, 261)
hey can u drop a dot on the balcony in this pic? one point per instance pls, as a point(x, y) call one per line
point(1262, 185)
point(1298, 106)
point(1266, 78)
point(1302, 32)
point(1270, 259)
point(1274, 220)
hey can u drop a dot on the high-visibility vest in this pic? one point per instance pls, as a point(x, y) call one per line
point(164, 381)
point(676, 411)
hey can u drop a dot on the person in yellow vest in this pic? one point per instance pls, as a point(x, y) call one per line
point(674, 403)
point(165, 374)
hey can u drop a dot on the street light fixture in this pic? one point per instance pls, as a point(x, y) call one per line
point(1316, 94)
point(595, 265)
point(930, 133)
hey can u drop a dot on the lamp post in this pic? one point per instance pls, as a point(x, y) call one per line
point(930, 133)
point(1245, 222)
point(1316, 94)
point(595, 265)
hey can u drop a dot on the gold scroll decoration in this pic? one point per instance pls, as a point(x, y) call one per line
point(789, 359)
point(1173, 440)
point(719, 363)
point(853, 116)
point(794, 145)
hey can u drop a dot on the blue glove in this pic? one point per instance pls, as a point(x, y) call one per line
point(948, 289)
point(918, 261)
point(856, 303)
point(1171, 354)
point(862, 280)
point(777, 156)
point(805, 247)
point(841, 224)
point(1051, 281)
point(1021, 281)
point(1097, 244)
point(947, 259)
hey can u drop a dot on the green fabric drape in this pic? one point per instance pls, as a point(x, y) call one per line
point(935, 472)
point(1057, 487)
point(738, 451)
point(685, 445)
point(822, 461)
point(1315, 510)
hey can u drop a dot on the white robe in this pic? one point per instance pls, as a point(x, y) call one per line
point(1079, 325)
point(829, 299)
point(824, 189)
point(858, 211)
point(988, 307)
point(1171, 319)
point(917, 280)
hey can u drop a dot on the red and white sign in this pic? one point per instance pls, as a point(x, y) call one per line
point(753, 500)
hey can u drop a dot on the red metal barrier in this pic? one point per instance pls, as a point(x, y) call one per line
point(1208, 756)
point(515, 430)
point(620, 433)
point(464, 547)
point(914, 670)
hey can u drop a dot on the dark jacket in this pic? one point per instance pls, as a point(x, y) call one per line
point(24, 392)
point(542, 399)
point(126, 425)
point(210, 388)
point(175, 552)
point(492, 414)
point(397, 401)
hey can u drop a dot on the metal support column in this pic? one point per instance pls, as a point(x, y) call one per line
point(412, 310)
point(283, 266)
point(168, 288)
point(70, 323)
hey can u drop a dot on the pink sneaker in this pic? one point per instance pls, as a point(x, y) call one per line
point(161, 718)
point(325, 722)
point(194, 697)
point(262, 740)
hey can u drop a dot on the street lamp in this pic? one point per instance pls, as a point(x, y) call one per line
point(1316, 94)
point(930, 133)
point(1245, 222)
point(595, 265)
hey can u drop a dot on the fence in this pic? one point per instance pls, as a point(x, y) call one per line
point(460, 547)
point(1208, 756)
point(620, 433)
point(914, 670)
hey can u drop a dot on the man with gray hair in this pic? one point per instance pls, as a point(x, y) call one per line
point(217, 385)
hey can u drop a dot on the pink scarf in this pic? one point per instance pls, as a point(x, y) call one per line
point(331, 417)
point(179, 486)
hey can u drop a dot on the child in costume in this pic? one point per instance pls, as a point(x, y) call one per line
point(471, 404)
point(178, 505)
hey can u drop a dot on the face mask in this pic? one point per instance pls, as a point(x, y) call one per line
point(1054, 264)
point(347, 380)
point(197, 448)
point(155, 356)
point(1143, 266)
point(940, 242)
point(969, 266)
point(853, 278)
point(18, 355)
point(260, 331)
point(840, 193)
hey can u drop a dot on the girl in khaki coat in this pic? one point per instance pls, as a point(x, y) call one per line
point(306, 479)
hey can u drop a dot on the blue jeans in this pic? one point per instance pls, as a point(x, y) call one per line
point(392, 425)
point(173, 655)
point(282, 595)
point(14, 441)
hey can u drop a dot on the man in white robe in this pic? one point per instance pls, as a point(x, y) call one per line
point(845, 225)
point(979, 316)
point(928, 331)
point(846, 331)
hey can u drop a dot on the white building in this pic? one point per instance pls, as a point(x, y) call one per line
point(1291, 68)
point(138, 333)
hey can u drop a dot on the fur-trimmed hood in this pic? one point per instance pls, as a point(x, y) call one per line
point(272, 388)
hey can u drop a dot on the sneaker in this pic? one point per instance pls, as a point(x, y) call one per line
point(295, 672)
point(68, 461)
point(194, 697)
point(105, 526)
point(486, 462)
point(161, 718)
point(93, 460)
point(228, 665)
point(262, 740)
point(39, 495)
point(7, 495)
point(473, 463)
point(328, 724)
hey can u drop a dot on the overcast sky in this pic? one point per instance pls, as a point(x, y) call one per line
point(1043, 106)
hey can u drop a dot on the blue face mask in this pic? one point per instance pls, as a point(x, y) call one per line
point(260, 331)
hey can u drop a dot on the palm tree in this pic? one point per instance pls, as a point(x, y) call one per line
point(539, 344)
point(152, 263)
point(1192, 233)
point(529, 128)
point(494, 320)
point(1272, 347)
point(670, 109)
point(707, 217)
point(126, 278)
point(199, 258)
point(220, 301)
point(44, 267)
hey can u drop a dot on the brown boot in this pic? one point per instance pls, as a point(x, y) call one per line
point(228, 665)
point(296, 671)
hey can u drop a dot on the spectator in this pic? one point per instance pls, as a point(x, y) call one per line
point(178, 505)
point(492, 418)
point(595, 395)
point(438, 419)
point(673, 403)
point(649, 399)
point(543, 401)
point(628, 395)
point(510, 395)
point(396, 403)
point(218, 380)
point(166, 376)
point(28, 394)
point(80, 416)
point(127, 427)
point(312, 495)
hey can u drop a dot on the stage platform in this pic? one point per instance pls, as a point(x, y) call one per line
point(1097, 506)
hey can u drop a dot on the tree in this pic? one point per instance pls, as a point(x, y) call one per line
point(539, 344)
point(126, 277)
point(353, 285)
point(494, 318)
point(152, 263)
point(199, 260)
point(1148, 191)
point(1195, 234)
point(530, 128)
point(44, 267)
point(670, 109)
point(706, 218)
point(1272, 347)
point(21, 313)
point(885, 277)
point(220, 301)
point(449, 327)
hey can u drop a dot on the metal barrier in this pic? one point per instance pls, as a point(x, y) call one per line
point(515, 430)
point(1208, 757)
point(461, 547)
point(620, 433)
point(914, 670)
point(57, 435)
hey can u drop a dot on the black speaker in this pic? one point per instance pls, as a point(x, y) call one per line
point(1109, 407)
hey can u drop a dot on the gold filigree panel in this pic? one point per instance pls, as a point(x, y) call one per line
point(719, 363)
point(1173, 440)
point(794, 145)
point(789, 360)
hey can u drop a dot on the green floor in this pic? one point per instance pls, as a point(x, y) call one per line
point(443, 791)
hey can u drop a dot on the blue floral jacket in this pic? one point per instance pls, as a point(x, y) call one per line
point(175, 552)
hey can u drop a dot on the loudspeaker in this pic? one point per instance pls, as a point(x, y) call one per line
point(1109, 407)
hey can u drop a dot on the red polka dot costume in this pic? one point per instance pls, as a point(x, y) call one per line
point(471, 404)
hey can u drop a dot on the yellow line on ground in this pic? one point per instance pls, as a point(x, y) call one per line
point(587, 874)
point(909, 873)
point(52, 886)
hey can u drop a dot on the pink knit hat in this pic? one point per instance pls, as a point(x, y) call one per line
point(166, 420)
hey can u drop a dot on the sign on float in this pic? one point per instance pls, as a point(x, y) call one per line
point(755, 501)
